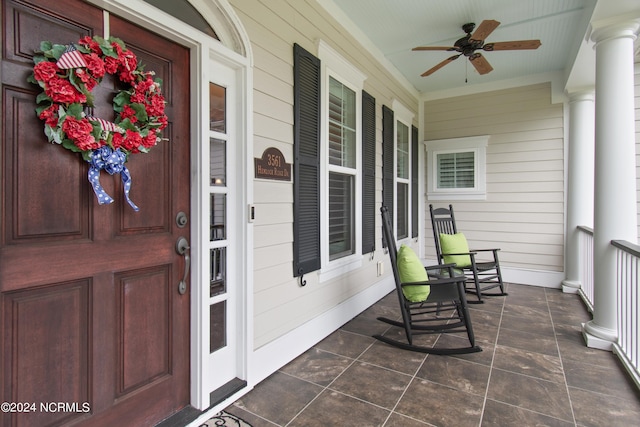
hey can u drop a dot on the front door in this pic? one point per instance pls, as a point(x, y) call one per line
point(93, 328)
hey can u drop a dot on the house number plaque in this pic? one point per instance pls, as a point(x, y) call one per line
point(272, 165)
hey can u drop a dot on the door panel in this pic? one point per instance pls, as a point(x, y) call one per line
point(89, 293)
point(143, 355)
point(53, 335)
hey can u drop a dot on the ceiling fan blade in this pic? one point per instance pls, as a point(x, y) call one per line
point(439, 65)
point(512, 45)
point(480, 63)
point(434, 48)
point(485, 28)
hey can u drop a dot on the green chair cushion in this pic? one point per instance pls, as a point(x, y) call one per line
point(455, 244)
point(411, 269)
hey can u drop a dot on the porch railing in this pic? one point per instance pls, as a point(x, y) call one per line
point(586, 266)
point(627, 347)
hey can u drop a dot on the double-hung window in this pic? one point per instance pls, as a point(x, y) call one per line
point(341, 162)
point(403, 195)
point(402, 180)
point(342, 169)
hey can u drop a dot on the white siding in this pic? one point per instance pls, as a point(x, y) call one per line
point(523, 213)
point(281, 304)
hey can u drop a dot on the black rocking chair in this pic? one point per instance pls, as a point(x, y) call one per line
point(443, 311)
point(481, 276)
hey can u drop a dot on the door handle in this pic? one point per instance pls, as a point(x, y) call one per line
point(182, 248)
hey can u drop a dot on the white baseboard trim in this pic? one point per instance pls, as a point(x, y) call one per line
point(544, 279)
point(271, 357)
point(523, 276)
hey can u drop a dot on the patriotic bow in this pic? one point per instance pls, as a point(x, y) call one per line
point(112, 161)
point(71, 58)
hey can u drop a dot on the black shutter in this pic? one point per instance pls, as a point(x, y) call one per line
point(306, 167)
point(388, 159)
point(414, 181)
point(369, 173)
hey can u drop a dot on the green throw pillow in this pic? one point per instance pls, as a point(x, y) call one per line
point(455, 244)
point(410, 269)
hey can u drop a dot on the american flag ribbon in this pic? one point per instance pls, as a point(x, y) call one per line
point(106, 125)
point(71, 58)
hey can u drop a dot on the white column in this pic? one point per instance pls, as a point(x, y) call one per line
point(615, 173)
point(579, 182)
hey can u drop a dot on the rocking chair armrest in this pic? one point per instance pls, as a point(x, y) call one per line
point(427, 283)
point(470, 253)
point(441, 281)
point(438, 266)
point(445, 271)
point(487, 250)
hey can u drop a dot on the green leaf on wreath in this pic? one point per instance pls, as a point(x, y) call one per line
point(45, 45)
point(86, 155)
point(97, 130)
point(69, 145)
point(118, 41)
point(141, 112)
point(77, 83)
point(120, 100)
point(105, 46)
point(127, 125)
point(62, 113)
point(53, 135)
point(41, 108)
point(75, 110)
point(90, 99)
point(56, 51)
point(42, 97)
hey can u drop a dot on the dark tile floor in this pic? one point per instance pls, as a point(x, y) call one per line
point(534, 370)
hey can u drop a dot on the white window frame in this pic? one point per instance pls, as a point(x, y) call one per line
point(403, 115)
point(475, 144)
point(336, 66)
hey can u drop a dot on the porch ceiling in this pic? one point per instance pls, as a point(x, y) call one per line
point(393, 28)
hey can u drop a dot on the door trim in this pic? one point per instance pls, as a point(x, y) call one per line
point(234, 50)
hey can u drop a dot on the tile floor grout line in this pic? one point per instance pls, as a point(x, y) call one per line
point(325, 388)
point(564, 374)
point(493, 358)
point(413, 377)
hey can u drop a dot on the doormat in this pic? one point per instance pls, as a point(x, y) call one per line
point(225, 419)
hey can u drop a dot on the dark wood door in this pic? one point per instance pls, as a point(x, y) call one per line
point(92, 320)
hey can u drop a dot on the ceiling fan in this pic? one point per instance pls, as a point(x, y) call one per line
point(468, 45)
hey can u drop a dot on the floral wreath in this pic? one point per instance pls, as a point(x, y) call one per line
point(68, 74)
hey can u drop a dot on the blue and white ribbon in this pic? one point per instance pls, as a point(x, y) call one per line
point(112, 161)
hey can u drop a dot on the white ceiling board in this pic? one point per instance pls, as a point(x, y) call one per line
point(396, 26)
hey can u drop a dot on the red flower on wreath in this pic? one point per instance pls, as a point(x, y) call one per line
point(95, 65)
point(79, 131)
point(45, 71)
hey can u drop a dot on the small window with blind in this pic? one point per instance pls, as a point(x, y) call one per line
point(457, 168)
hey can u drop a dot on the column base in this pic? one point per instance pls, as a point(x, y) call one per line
point(571, 286)
point(598, 337)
